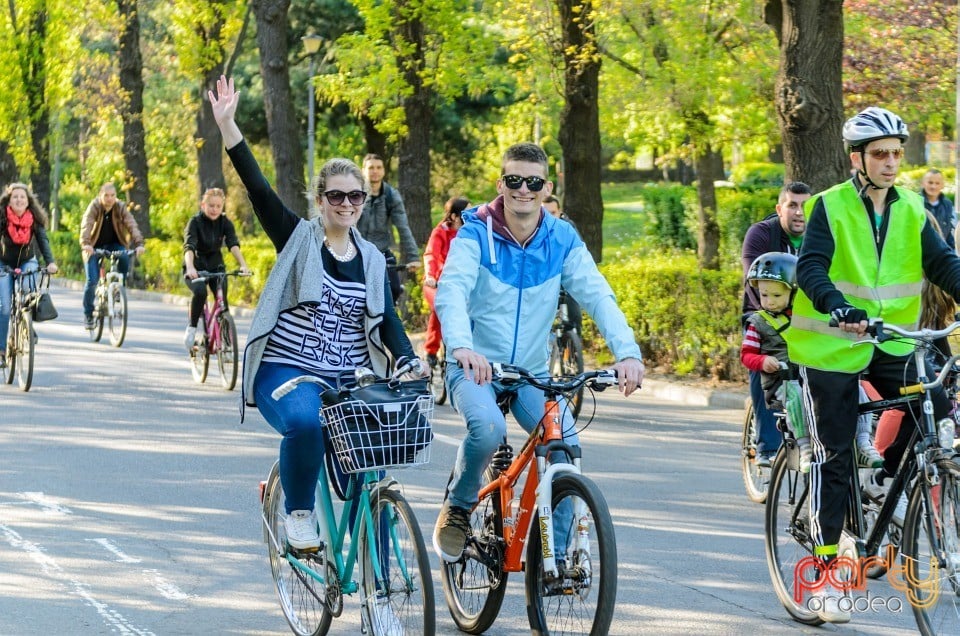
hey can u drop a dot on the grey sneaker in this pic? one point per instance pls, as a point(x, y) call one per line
point(829, 605)
point(451, 531)
point(88, 322)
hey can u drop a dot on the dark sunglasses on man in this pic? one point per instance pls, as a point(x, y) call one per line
point(515, 182)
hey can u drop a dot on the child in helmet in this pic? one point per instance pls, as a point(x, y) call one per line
point(764, 350)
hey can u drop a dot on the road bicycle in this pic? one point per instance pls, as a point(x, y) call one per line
point(386, 544)
point(438, 373)
point(566, 351)
point(571, 565)
point(21, 338)
point(755, 478)
point(110, 299)
point(216, 335)
point(929, 571)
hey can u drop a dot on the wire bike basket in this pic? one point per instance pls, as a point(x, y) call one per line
point(385, 425)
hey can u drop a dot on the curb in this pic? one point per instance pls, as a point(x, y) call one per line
point(661, 389)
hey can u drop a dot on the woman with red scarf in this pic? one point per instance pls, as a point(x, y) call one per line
point(22, 234)
point(433, 259)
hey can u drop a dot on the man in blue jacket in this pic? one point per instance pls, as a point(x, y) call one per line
point(496, 301)
point(931, 187)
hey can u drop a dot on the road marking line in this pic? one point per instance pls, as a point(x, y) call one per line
point(45, 503)
point(166, 588)
point(112, 617)
point(109, 546)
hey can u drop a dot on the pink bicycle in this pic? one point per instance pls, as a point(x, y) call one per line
point(216, 335)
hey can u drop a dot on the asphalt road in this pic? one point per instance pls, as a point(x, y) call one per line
point(128, 502)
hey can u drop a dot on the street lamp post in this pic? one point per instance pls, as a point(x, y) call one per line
point(312, 44)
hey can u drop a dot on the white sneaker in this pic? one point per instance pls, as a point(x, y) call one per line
point(900, 512)
point(390, 624)
point(873, 488)
point(868, 456)
point(189, 336)
point(302, 532)
point(827, 604)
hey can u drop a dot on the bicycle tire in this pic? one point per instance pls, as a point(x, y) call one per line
point(756, 479)
point(10, 372)
point(405, 582)
point(787, 538)
point(200, 355)
point(438, 385)
point(584, 601)
point(934, 592)
point(227, 351)
point(117, 313)
point(571, 361)
point(100, 308)
point(24, 352)
point(474, 592)
point(300, 595)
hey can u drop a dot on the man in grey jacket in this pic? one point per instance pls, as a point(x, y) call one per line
point(382, 211)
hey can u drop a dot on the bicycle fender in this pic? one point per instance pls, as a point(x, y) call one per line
point(545, 514)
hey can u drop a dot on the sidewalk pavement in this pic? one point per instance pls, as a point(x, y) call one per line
point(661, 389)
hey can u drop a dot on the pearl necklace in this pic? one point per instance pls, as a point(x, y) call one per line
point(347, 256)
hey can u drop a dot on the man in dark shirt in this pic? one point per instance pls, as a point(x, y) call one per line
point(782, 232)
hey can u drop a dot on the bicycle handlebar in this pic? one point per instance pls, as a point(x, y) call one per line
point(364, 377)
point(597, 380)
point(113, 253)
point(203, 275)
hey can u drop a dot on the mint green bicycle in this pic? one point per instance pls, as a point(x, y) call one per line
point(385, 541)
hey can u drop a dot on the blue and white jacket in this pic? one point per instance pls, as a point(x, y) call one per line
point(499, 298)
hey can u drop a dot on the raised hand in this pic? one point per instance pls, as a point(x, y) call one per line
point(224, 106)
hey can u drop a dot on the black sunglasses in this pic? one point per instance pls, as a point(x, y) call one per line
point(336, 197)
point(515, 181)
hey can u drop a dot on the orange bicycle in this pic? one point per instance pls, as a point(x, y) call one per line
point(571, 557)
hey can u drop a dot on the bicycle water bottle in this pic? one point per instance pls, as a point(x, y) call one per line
point(945, 429)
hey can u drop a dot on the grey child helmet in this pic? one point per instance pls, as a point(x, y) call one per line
point(776, 266)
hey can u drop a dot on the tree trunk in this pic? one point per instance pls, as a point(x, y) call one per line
point(376, 140)
point(916, 146)
point(134, 136)
point(580, 122)
point(35, 82)
point(9, 172)
point(208, 139)
point(709, 164)
point(809, 95)
point(413, 151)
point(286, 138)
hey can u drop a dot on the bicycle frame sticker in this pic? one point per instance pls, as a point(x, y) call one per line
point(847, 574)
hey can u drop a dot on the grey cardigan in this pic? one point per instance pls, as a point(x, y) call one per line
point(297, 278)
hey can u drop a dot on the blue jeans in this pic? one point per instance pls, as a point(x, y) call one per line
point(768, 437)
point(92, 269)
point(486, 429)
point(297, 418)
point(6, 300)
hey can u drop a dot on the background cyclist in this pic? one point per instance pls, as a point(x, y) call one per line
point(23, 233)
point(497, 301)
point(107, 225)
point(206, 233)
point(867, 247)
point(438, 245)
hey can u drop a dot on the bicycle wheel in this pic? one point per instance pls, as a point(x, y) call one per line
point(301, 596)
point(227, 353)
point(933, 575)
point(10, 372)
point(755, 478)
point(475, 585)
point(99, 310)
point(23, 353)
point(200, 355)
point(437, 384)
point(581, 600)
point(395, 569)
point(787, 534)
point(117, 313)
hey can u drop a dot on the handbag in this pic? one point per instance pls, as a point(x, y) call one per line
point(43, 308)
point(379, 425)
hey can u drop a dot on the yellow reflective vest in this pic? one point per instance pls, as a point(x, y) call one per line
point(885, 285)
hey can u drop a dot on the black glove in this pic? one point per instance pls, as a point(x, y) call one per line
point(849, 314)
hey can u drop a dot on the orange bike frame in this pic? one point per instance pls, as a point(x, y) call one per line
point(515, 536)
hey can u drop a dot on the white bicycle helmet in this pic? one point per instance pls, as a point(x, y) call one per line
point(873, 123)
